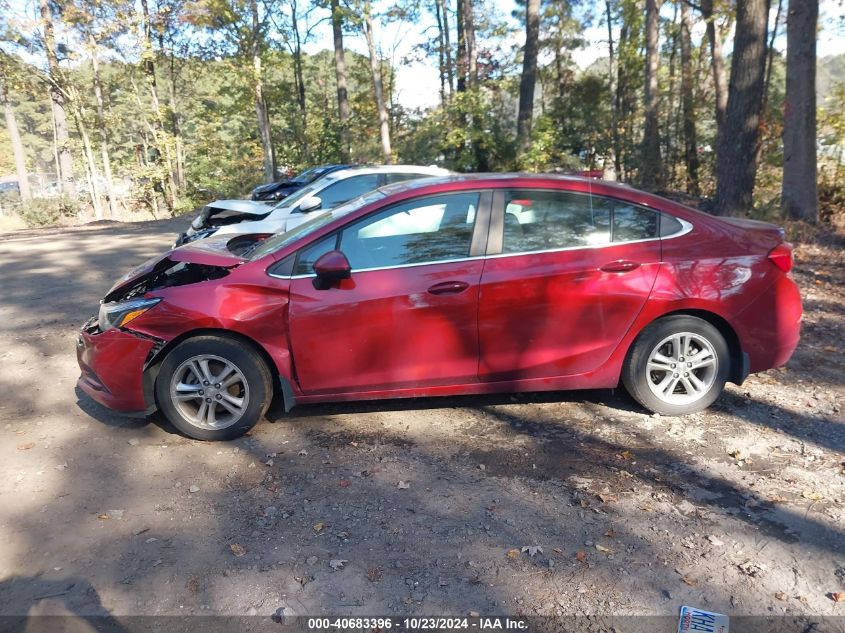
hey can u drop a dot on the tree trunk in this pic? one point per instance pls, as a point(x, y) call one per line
point(469, 36)
point(462, 47)
point(529, 75)
point(441, 50)
point(103, 129)
point(614, 106)
point(162, 144)
point(17, 145)
point(800, 193)
point(736, 164)
point(57, 96)
point(340, 74)
point(264, 132)
point(447, 47)
point(176, 124)
point(375, 66)
point(90, 163)
point(688, 102)
point(651, 174)
point(720, 77)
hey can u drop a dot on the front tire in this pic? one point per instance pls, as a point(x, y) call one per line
point(677, 365)
point(213, 388)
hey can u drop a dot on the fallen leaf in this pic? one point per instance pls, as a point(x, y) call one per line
point(344, 483)
point(813, 495)
point(837, 596)
point(646, 508)
point(608, 498)
point(337, 563)
point(692, 582)
point(581, 556)
point(532, 549)
point(403, 485)
point(781, 595)
point(557, 550)
point(610, 534)
point(193, 584)
point(737, 454)
point(513, 553)
point(374, 574)
point(585, 503)
point(318, 527)
point(26, 447)
point(715, 541)
point(237, 550)
point(603, 549)
point(103, 517)
point(775, 499)
point(626, 455)
point(830, 348)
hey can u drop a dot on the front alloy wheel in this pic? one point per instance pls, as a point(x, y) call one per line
point(677, 365)
point(213, 387)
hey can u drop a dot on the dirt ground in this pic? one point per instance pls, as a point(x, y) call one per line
point(412, 507)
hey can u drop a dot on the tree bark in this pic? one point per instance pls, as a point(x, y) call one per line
point(800, 192)
point(614, 106)
point(736, 164)
point(162, 144)
point(462, 47)
point(17, 145)
point(688, 103)
point(91, 170)
point(652, 170)
point(264, 132)
point(57, 97)
point(103, 129)
point(469, 36)
point(375, 66)
point(441, 50)
point(340, 74)
point(717, 62)
point(447, 47)
point(529, 75)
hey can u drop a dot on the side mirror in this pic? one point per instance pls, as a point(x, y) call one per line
point(330, 268)
point(311, 203)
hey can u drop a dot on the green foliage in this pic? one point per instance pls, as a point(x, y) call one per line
point(47, 211)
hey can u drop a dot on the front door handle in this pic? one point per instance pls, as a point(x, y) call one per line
point(620, 266)
point(448, 288)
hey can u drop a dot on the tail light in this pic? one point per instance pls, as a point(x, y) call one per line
point(781, 256)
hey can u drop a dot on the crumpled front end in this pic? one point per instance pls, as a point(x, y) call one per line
point(112, 365)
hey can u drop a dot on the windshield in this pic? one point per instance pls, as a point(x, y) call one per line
point(282, 239)
point(294, 199)
point(309, 174)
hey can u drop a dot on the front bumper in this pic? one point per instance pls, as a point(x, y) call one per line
point(112, 365)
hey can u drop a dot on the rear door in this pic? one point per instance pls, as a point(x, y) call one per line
point(407, 317)
point(566, 276)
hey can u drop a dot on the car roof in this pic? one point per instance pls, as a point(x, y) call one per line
point(433, 170)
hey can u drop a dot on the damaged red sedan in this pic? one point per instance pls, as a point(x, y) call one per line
point(449, 286)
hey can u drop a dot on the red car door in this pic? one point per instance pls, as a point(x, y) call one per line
point(407, 317)
point(567, 276)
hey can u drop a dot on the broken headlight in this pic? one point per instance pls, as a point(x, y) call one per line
point(119, 313)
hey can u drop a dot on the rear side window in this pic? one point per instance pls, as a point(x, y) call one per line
point(552, 220)
point(390, 179)
point(669, 225)
point(549, 220)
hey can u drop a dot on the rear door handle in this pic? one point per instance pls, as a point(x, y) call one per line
point(620, 266)
point(448, 288)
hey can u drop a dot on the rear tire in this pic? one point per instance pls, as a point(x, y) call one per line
point(213, 388)
point(677, 365)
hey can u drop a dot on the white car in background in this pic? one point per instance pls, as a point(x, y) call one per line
point(224, 217)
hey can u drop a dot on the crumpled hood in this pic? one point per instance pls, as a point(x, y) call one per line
point(211, 251)
point(241, 206)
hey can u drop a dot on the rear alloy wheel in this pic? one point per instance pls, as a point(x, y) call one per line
point(213, 388)
point(677, 365)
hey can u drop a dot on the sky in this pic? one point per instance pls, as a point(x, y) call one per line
point(418, 83)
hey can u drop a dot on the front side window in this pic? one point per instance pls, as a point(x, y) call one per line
point(431, 229)
point(346, 189)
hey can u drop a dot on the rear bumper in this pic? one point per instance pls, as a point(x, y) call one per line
point(771, 325)
point(112, 366)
